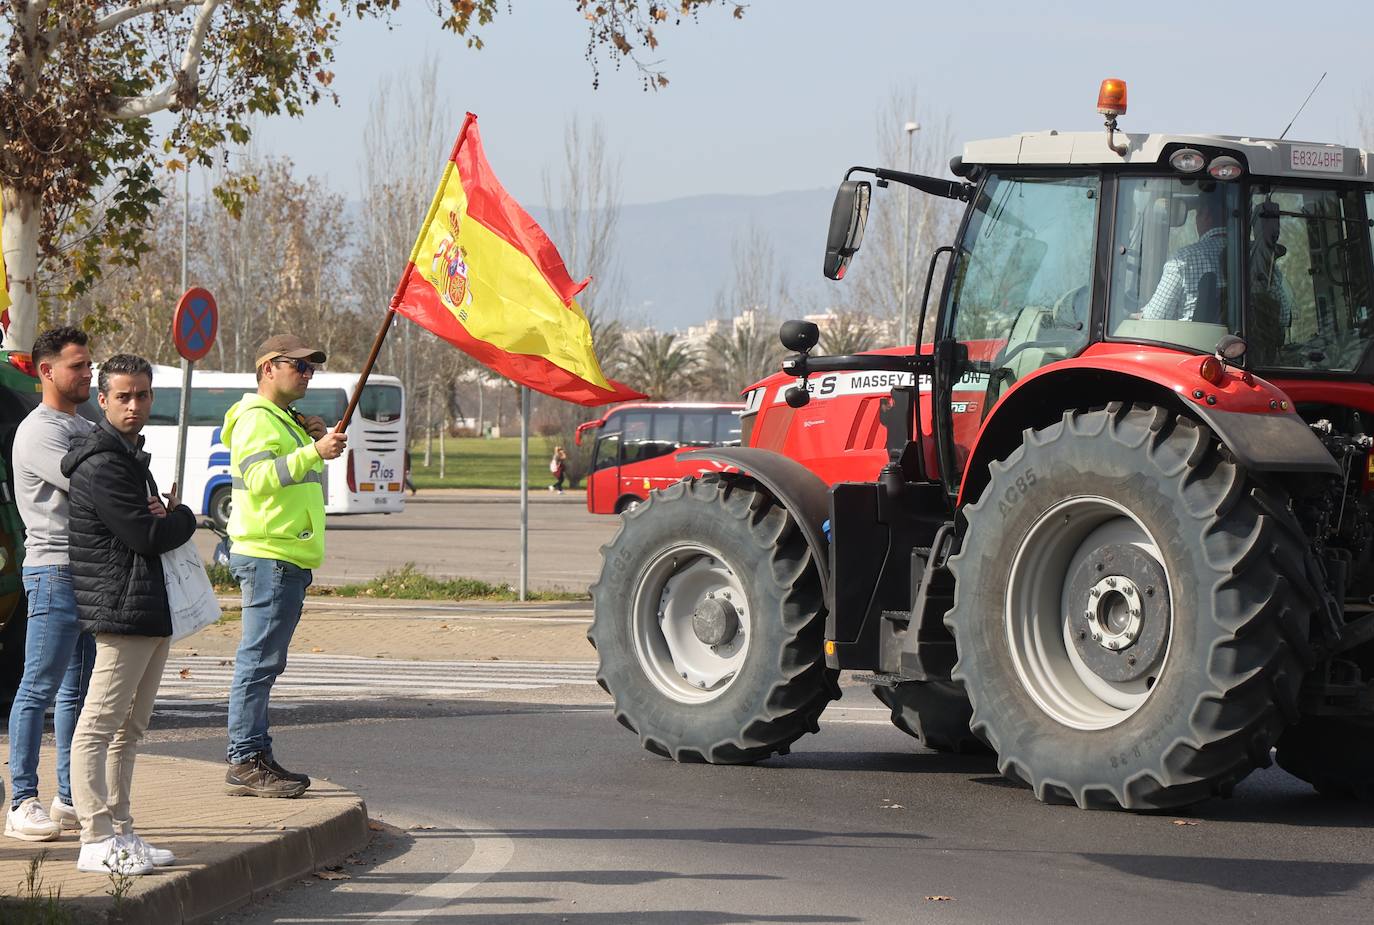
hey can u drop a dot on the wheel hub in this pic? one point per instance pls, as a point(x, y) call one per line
point(715, 621)
point(1123, 620)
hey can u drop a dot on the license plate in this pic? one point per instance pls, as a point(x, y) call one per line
point(1316, 158)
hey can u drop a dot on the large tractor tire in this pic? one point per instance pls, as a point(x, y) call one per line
point(709, 624)
point(1127, 608)
point(935, 713)
point(1335, 754)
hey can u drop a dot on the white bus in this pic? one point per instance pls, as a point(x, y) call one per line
point(368, 478)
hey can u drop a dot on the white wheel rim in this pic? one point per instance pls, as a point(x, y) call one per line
point(674, 584)
point(1041, 620)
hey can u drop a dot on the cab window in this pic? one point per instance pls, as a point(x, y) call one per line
point(1023, 286)
point(1175, 263)
point(607, 452)
point(1310, 277)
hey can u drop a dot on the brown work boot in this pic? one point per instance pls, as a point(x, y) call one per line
point(256, 778)
point(271, 762)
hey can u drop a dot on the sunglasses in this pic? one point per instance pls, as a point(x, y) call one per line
point(304, 367)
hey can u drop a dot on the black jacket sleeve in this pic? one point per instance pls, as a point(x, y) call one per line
point(120, 495)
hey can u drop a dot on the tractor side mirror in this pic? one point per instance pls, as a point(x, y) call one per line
point(848, 216)
point(799, 336)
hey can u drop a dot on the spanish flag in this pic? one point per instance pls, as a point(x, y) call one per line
point(485, 278)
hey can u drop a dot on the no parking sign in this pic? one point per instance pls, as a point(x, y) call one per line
point(195, 323)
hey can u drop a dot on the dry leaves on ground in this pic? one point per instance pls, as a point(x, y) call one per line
point(1185, 822)
point(940, 899)
point(332, 873)
point(184, 673)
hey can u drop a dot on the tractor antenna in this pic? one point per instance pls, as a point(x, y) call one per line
point(1304, 105)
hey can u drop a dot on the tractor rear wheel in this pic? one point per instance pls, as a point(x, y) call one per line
point(936, 713)
point(1335, 754)
point(709, 624)
point(1127, 602)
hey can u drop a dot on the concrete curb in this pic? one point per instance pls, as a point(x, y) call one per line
point(235, 850)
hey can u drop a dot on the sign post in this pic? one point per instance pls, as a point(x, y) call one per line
point(194, 326)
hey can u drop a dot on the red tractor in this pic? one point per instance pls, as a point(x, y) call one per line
point(1117, 522)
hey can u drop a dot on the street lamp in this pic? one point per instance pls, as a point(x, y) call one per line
point(911, 128)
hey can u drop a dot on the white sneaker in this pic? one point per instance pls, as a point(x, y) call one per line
point(158, 857)
point(113, 856)
point(29, 822)
point(64, 814)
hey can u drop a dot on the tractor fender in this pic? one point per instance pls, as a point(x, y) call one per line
point(1262, 438)
point(792, 485)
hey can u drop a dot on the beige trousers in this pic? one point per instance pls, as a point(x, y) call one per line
point(113, 719)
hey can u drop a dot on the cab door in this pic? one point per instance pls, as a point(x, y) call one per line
point(1019, 298)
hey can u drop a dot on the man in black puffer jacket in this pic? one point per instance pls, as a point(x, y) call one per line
point(118, 530)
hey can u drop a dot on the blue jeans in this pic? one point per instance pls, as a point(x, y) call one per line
point(273, 592)
point(58, 659)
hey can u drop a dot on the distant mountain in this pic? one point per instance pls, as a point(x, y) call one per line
point(675, 256)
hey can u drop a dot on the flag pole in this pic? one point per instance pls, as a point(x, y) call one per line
point(524, 492)
point(367, 367)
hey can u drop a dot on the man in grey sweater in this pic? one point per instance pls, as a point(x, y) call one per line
point(58, 657)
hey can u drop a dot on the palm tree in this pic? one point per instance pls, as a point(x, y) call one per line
point(850, 331)
point(741, 353)
point(661, 365)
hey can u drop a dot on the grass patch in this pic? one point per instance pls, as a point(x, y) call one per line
point(221, 579)
point(410, 584)
point(474, 462)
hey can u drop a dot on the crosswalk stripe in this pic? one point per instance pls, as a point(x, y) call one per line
point(208, 678)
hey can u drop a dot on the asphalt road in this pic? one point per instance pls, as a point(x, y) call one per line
point(538, 808)
point(466, 534)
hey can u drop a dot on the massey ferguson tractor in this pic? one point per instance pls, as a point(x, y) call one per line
point(1116, 518)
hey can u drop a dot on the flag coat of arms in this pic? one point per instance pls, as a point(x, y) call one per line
point(486, 278)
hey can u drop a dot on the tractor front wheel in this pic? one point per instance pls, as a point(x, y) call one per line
point(1125, 598)
point(709, 624)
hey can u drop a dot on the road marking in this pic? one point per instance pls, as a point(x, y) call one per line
point(492, 850)
point(347, 677)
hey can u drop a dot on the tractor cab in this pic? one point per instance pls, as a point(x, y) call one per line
point(1076, 246)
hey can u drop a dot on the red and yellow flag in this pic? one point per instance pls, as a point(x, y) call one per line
point(485, 278)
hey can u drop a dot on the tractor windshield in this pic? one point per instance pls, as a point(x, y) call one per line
point(1310, 264)
point(1175, 263)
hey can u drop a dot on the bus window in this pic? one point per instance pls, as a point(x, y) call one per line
point(698, 428)
point(380, 404)
point(666, 426)
point(638, 443)
point(209, 405)
point(727, 428)
point(166, 404)
point(607, 452)
point(328, 404)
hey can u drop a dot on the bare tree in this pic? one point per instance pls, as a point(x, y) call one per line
point(744, 346)
point(875, 284)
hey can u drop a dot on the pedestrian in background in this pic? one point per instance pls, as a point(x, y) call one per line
point(277, 530)
point(119, 530)
point(57, 656)
point(558, 465)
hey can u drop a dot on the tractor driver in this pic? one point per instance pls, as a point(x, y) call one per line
point(1180, 283)
point(1176, 296)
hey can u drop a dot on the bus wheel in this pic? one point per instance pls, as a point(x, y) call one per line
point(627, 503)
point(221, 504)
point(709, 624)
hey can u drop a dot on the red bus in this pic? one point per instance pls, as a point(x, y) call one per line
point(638, 445)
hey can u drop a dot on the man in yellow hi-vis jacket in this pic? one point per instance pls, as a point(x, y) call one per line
point(277, 530)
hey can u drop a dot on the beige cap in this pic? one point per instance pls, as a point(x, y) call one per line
point(289, 346)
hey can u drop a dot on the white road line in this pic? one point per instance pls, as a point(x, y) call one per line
point(491, 852)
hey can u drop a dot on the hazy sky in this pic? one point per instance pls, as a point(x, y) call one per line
point(786, 98)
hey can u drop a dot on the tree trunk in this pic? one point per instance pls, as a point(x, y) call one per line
point(23, 219)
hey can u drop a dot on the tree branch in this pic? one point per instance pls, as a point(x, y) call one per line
point(187, 75)
point(134, 10)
